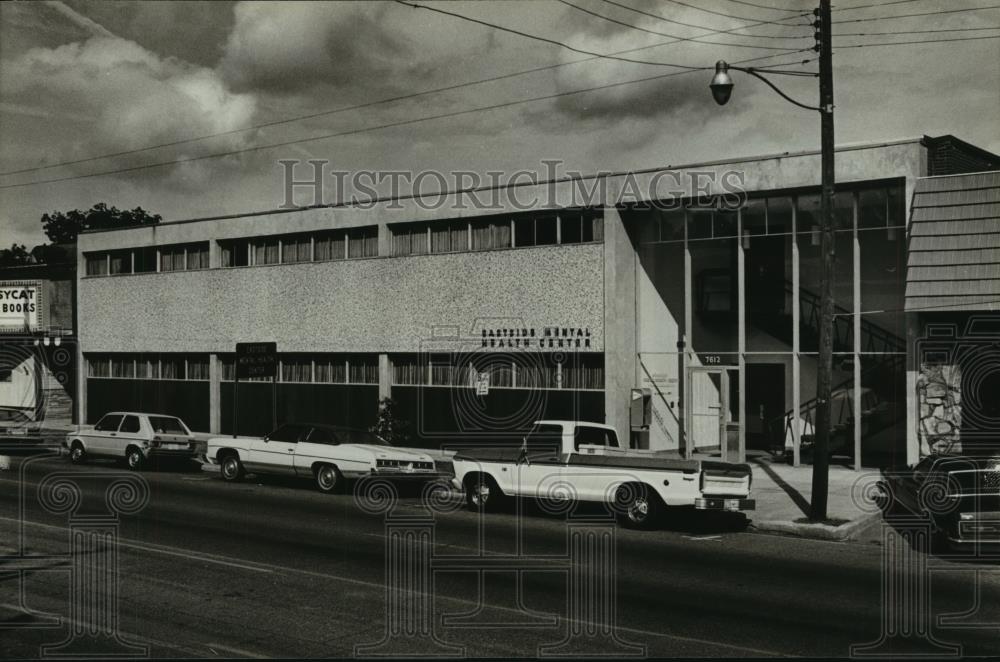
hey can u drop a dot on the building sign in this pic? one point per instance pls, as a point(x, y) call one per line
point(256, 359)
point(546, 337)
point(19, 306)
point(483, 383)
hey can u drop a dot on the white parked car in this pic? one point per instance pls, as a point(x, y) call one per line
point(581, 461)
point(326, 454)
point(134, 436)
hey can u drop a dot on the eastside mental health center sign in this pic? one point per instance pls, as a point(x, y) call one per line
point(256, 359)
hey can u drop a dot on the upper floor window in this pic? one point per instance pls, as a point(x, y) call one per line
point(570, 226)
point(302, 247)
point(174, 257)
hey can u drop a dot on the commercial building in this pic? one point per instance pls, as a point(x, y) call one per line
point(38, 352)
point(690, 327)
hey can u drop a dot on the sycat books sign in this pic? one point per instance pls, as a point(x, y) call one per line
point(19, 306)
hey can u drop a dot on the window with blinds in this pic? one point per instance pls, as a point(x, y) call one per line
point(523, 371)
point(97, 264)
point(571, 226)
point(148, 366)
point(411, 239)
point(98, 366)
point(296, 369)
point(235, 252)
point(362, 242)
point(331, 245)
point(296, 248)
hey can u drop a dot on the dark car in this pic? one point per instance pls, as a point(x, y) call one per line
point(959, 494)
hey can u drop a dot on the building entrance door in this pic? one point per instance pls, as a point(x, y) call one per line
point(714, 419)
point(765, 405)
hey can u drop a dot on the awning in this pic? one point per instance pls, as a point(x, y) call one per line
point(953, 262)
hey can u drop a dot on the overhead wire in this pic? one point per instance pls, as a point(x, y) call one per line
point(704, 27)
point(344, 109)
point(664, 34)
point(388, 125)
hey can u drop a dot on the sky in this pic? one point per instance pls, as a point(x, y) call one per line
point(82, 79)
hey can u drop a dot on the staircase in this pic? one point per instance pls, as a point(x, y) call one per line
point(889, 358)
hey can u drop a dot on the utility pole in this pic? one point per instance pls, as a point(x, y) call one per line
point(824, 377)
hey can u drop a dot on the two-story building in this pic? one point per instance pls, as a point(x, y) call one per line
point(691, 326)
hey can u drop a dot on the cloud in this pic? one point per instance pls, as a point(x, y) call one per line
point(130, 96)
point(292, 46)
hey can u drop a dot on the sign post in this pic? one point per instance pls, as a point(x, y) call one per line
point(255, 359)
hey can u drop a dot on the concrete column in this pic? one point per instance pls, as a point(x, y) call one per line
point(214, 256)
point(81, 365)
point(856, 269)
point(796, 358)
point(619, 322)
point(384, 377)
point(214, 394)
point(384, 240)
point(741, 346)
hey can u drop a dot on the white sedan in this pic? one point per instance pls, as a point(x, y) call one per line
point(327, 454)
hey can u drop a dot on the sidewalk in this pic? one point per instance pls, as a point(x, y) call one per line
point(783, 496)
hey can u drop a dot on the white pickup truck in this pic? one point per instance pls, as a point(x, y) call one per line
point(570, 460)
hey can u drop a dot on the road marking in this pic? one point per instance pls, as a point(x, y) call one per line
point(236, 651)
point(163, 549)
point(129, 637)
point(268, 568)
point(703, 537)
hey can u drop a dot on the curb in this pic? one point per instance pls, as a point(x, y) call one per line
point(817, 531)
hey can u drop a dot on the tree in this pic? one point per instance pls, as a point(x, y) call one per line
point(389, 426)
point(63, 227)
point(15, 256)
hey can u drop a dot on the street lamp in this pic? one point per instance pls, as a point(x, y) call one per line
point(722, 90)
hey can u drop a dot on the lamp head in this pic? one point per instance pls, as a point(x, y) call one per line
point(722, 84)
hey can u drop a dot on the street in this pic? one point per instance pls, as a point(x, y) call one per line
point(275, 569)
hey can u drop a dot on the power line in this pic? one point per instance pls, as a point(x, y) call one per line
point(718, 13)
point(543, 39)
point(917, 41)
point(664, 34)
point(344, 109)
point(702, 27)
point(389, 125)
point(751, 4)
point(934, 31)
point(877, 4)
point(927, 13)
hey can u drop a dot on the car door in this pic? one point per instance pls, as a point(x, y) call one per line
point(275, 453)
point(539, 468)
point(100, 440)
point(129, 433)
point(592, 482)
point(315, 445)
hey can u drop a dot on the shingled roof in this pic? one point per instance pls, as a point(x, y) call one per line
point(953, 261)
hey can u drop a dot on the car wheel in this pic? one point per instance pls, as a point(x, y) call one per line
point(482, 494)
point(76, 453)
point(328, 479)
point(134, 458)
point(232, 469)
point(637, 507)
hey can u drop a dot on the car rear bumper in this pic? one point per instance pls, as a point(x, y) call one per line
point(408, 475)
point(725, 503)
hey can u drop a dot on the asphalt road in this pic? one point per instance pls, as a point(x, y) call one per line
point(209, 569)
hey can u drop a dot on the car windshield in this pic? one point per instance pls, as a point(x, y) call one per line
point(167, 425)
point(361, 437)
